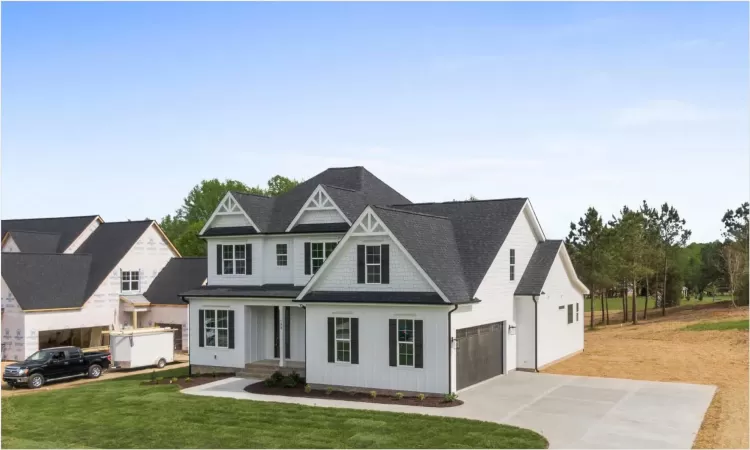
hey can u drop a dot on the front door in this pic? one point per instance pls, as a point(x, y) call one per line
point(287, 333)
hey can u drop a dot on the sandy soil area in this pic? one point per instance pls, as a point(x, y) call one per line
point(659, 350)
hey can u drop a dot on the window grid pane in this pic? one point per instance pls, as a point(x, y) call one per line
point(134, 276)
point(329, 248)
point(281, 260)
point(227, 250)
point(223, 338)
point(239, 252)
point(228, 267)
point(281, 249)
point(239, 266)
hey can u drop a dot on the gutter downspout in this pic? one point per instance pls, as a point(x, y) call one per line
point(450, 338)
point(305, 308)
point(190, 347)
point(536, 332)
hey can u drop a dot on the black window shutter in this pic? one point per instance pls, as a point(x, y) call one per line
point(418, 359)
point(307, 258)
point(219, 256)
point(360, 264)
point(385, 264)
point(355, 340)
point(276, 338)
point(201, 328)
point(287, 332)
point(331, 340)
point(392, 354)
point(249, 259)
point(231, 329)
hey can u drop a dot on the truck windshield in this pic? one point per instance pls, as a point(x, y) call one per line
point(38, 356)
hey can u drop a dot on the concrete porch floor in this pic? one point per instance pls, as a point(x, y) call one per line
point(570, 411)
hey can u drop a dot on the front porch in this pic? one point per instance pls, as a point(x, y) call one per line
point(264, 368)
point(274, 340)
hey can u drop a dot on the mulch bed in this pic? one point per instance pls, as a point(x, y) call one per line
point(194, 381)
point(299, 391)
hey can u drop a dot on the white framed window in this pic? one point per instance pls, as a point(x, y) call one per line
point(216, 327)
point(131, 281)
point(372, 264)
point(319, 251)
point(405, 342)
point(343, 340)
point(512, 264)
point(281, 255)
point(577, 304)
point(233, 259)
point(570, 314)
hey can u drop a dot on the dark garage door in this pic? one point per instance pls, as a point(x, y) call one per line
point(479, 353)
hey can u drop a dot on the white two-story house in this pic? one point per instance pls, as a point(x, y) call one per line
point(69, 280)
point(347, 281)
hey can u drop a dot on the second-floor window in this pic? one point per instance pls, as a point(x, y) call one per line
point(372, 264)
point(131, 281)
point(512, 264)
point(319, 251)
point(234, 259)
point(281, 254)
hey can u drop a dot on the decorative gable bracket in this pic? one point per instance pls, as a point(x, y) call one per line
point(228, 206)
point(319, 200)
point(368, 225)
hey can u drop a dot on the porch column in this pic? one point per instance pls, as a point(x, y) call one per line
point(135, 318)
point(282, 333)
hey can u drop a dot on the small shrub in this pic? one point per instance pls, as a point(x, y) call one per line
point(277, 377)
point(329, 390)
point(420, 397)
point(399, 395)
point(188, 379)
point(269, 382)
point(174, 379)
point(450, 398)
point(297, 378)
point(159, 379)
point(373, 394)
point(289, 382)
point(213, 373)
point(308, 389)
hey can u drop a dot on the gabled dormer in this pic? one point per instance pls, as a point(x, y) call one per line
point(230, 218)
point(320, 209)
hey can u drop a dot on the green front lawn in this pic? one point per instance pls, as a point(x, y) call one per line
point(720, 326)
point(121, 413)
point(615, 303)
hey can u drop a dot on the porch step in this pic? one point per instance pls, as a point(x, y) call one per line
point(264, 370)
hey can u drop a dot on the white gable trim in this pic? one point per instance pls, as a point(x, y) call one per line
point(570, 270)
point(372, 222)
point(536, 227)
point(319, 200)
point(228, 206)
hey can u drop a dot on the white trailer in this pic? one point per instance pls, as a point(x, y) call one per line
point(142, 347)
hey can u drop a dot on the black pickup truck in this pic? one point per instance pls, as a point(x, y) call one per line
point(55, 364)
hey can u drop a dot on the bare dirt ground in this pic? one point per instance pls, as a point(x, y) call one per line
point(658, 350)
point(180, 361)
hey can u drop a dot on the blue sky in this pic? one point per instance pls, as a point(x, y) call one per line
point(118, 109)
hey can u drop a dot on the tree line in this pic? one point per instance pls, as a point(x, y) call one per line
point(643, 252)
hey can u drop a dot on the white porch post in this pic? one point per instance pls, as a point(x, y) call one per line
point(282, 333)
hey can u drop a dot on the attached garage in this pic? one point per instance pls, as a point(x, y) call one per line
point(480, 353)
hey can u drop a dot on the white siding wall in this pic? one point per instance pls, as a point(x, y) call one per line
point(254, 279)
point(148, 255)
point(557, 338)
point(220, 357)
point(325, 216)
point(230, 220)
point(300, 279)
point(83, 236)
point(524, 316)
point(274, 274)
point(373, 370)
point(13, 328)
point(342, 275)
point(177, 315)
point(11, 246)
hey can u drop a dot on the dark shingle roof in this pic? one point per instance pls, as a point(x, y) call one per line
point(47, 281)
point(230, 231)
point(335, 227)
point(179, 275)
point(69, 228)
point(536, 272)
point(107, 245)
point(266, 290)
point(479, 228)
point(351, 188)
point(36, 242)
point(414, 298)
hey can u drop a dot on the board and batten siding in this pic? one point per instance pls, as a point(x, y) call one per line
point(148, 255)
point(253, 279)
point(525, 323)
point(374, 370)
point(273, 273)
point(497, 289)
point(557, 338)
point(342, 274)
point(215, 356)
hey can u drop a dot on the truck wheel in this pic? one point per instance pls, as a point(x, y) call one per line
point(36, 381)
point(162, 362)
point(95, 371)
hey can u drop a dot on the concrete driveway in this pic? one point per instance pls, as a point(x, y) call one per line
point(570, 411)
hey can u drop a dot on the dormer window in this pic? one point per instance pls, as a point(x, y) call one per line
point(130, 282)
point(372, 264)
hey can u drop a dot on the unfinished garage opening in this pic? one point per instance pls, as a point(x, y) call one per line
point(177, 334)
point(479, 353)
point(91, 337)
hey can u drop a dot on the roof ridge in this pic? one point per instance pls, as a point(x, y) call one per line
point(52, 218)
point(464, 201)
point(387, 208)
point(250, 193)
point(339, 187)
